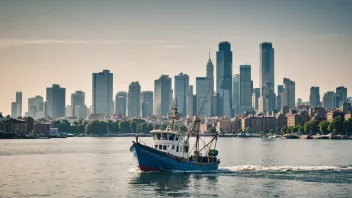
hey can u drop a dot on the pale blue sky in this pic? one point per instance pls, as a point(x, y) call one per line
point(64, 42)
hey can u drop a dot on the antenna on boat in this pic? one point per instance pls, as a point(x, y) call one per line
point(196, 123)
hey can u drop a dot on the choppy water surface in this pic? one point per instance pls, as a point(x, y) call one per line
point(104, 167)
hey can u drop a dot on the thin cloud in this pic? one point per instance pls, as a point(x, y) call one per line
point(318, 36)
point(20, 42)
point(174, 46)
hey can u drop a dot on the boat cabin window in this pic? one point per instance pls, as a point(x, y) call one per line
point(185, 149)
point(181, 139)
point(171, 137)
point(173, 147)
point(158, 136)
point(160, 147)
point(164, 136)
point(176, 138)
point(156, 146)
point(164, 147)
point(176, 148)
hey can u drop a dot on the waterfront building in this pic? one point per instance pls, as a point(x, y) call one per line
point(236, 94)
point(181, 88)
point(203, 95)
point(78, 105)
point(147, 104)
point(314, 97)
point(162, 95)
point(134, 100)
point(12, 125)
point(55, 101)
point(245, 90)
point(341, 96)
point(224, 79)
point(299, 118)
point(266, 78)
point(329, 100)
point(288, 94)
point(121, 103)
point(102, 93)
point(334, 114)
point(255, 98)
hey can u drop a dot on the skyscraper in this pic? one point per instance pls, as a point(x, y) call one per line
point(341, 96)
point(14, 110)
point(162, 95)
point(255, 97)
point(134, 100)
point(266, 78)
point(329, 100)
point(314, 97)
point(224, 79)
point(189, 105)
point(55, 101)
point(102, 92)
point(121, 103)
point(147, 104)
point(19, 103)
point(280, 89)
point(299, 102)
point(210, 77)
point(236, 94)
point(35, 106)
point(181, 87)
point(203, 95)
point(78, 105)
point(288, 94)
point(246, 89)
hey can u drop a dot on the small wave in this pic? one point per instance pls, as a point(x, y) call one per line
point(242, 168)
point(282, 168)
point(134, 170)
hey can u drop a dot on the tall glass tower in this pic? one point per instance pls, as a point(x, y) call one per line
point(102, 92)
point(181, 89)
point(224, 79)
point(266, 78)
point(162, 95)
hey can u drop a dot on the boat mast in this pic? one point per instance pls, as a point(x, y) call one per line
point(174, 115)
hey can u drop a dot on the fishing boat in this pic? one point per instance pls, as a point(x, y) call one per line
point(171, 149)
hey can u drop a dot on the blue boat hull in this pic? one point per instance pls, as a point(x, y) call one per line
point(150, 159)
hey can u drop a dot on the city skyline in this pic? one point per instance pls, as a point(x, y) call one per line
point(68, 58)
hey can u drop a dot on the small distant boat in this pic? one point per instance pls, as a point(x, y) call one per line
point(70, 135)
point(290, 136)
point(171, 150)
point(274, 136)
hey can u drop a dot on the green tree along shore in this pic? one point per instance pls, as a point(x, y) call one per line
point(337, 125)
point(96, 127)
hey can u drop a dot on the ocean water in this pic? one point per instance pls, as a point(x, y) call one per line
point(104, 167)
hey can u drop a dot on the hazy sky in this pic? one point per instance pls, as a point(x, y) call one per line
point(64, 42)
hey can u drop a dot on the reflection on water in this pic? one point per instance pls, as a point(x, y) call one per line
point(174, 184)
point(164, 183)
